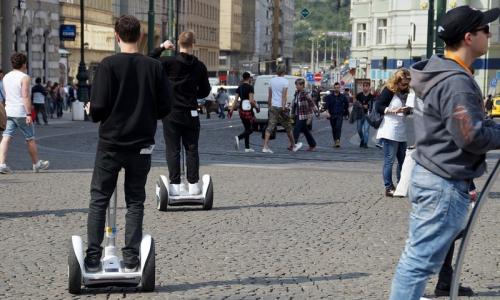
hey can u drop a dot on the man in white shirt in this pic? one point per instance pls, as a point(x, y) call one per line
point(278, 110)
point(18, 107)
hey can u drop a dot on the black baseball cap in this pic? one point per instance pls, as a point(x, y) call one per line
point(460, 20)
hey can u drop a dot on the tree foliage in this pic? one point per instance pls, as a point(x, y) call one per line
point(325, 16)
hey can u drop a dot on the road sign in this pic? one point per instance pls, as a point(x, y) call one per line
point(309, 76)
point(493, 83)
point(305, 12)
point(317, 77)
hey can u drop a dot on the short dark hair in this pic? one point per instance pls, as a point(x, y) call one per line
point(336, 83)
point(1, 70)
point(186, 39)
point(38, 80)
point(245, 75)
point(128, 28)
point(18, 60)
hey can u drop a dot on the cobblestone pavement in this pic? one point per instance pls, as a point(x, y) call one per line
point(284, 226)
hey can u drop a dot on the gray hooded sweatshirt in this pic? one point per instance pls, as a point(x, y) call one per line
point(452, 136)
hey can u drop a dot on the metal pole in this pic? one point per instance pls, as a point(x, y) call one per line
point(324, 57)
point(312, 56)
point(430, 29)
point(151, 25)
point(82, 76)
point(441, 10)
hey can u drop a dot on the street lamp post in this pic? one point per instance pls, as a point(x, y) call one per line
point(83, 88)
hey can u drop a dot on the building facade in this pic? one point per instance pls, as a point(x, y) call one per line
point(202, 17)
point(230, 41)
point(389, 34)
point(32, 27)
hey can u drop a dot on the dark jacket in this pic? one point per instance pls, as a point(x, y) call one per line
point(383, 100)
point(337, 105)
point(129, 94)
point(452, 135)
point(189, 80)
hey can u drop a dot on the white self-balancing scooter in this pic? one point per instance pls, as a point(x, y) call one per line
point(164, 197)
point(112, 271)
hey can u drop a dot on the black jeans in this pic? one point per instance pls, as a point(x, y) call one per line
point(301, 127)
point(40, 108)
point(336, 123)
point(174, 133)
point(107, 166)
point(246, 134)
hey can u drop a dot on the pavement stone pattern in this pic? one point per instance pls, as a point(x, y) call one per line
point(284, 226)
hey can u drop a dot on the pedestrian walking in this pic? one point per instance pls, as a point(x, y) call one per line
point(337, 106)
point(392, 131)
point(18, 108)
point(244, 96)
point(61, 96)
point(452, 138)
point(38, 94)
point(365, 98)
point(129, 94)
point(189, 79)
point(2, 92)
point(222, 100)
point(488, 105)
point(302, 110)
point(279, 112)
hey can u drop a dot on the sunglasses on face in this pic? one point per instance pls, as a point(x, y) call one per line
point(485, 29)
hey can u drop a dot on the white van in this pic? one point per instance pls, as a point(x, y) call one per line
point(261, 92)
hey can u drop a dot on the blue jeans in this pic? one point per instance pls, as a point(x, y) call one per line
point(221, 111)
point(301, 127)
point(392, 150)
point(439, 213)
point(363, 130)
point(14, 123)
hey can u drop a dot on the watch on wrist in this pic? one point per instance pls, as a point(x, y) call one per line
point(28, 115)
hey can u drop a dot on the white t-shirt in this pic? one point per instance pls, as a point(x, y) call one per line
point(393, 127)
point(277, 85)
point(14, 105)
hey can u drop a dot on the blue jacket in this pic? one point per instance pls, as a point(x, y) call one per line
point(337, 105)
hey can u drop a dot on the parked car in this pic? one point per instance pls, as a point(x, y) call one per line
point(495, 112)
point(261, 88)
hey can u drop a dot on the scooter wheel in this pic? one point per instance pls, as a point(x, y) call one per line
point(209, 199)
point(161, 196)
point(148, 274)
point(74, 272)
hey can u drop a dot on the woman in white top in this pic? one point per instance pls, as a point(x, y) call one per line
point(18, 108)
point(392, 131)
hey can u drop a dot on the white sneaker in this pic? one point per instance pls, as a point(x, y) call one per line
point(267, 150)
point(174, 189)
point(237, 143)
point(41, 165)
point(4, 169)
point(249, 150)
point(194, 189)
point(297, 147)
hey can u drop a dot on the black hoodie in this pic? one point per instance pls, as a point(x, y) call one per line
point(189, 81)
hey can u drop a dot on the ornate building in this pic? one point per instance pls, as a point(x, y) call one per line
point(32, 27)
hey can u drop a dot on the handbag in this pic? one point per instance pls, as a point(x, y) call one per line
point(3, 117)
point(374, 118)
point(404, 181)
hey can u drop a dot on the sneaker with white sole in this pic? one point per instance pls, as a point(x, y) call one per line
point(194, 189)
point(4, 169)
point(174, 189)
point(249, 150)
point(267, 150)
point(41, 165)
point(237, 142)
point(297, 147)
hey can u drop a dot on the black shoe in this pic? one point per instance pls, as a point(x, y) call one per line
point(92, 265)
point(444, 291)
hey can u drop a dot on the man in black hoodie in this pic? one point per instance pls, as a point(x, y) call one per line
point(189, 80)
point(129, 95)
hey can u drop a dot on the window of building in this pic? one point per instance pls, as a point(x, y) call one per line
point(382, 31)
point(45, 56)
point(28, 49)
point(361, 35)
